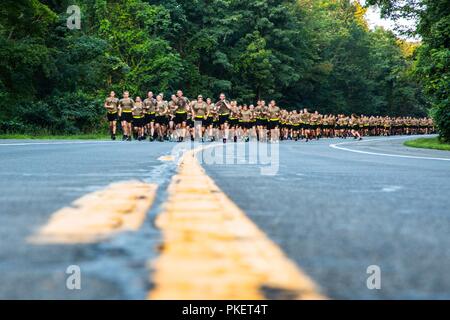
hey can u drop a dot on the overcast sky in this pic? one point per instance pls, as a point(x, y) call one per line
point(373, 18)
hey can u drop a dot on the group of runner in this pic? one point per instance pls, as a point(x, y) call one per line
point(179, 119)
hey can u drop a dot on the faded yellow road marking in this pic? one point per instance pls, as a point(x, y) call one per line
point(211, 250)
point(120, 207)
point(166, 158)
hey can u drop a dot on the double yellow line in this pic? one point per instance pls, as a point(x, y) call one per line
point(210, 249)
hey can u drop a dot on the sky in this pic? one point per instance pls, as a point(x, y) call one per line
point(374, 19)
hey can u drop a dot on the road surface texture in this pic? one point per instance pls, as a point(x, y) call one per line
point(38, 179)
point(337, 212)
point(334, 210)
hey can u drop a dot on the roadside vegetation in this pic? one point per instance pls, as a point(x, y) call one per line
point(55, 137)
point(316, 54)
point(428, 143)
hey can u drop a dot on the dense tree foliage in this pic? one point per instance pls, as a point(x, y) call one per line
point(433, 56)
point(318, 54)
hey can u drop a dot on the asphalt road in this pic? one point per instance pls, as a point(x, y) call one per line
point(38, 179)
point(334, 212)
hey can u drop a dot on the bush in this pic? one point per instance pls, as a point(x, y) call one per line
point(78, 113)
point(12, 126)
point(441, 116)
point(35, 114)
point(68, 113)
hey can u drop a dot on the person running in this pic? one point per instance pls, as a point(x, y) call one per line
point(190, 123)
point(294, 119)
point(314, 125)
point(340, 126)
point(331, 120)
point(149, 119)
point(259, 120)
point(245, 122)
point(325, 124)
point(354, 127)
point(224, 108)
point(284, 124)
point(171, 115)
point(200, 113)
point(138, 119)
point(273, 121)
point(216, 123)
point(234, 119)
point(161, 110)
point(366, 124)
point(126, 105)
point(209, 121)
point(111, 105)
point(253, 122)
point(181, 115)
point(306, 116)
point(385, 124)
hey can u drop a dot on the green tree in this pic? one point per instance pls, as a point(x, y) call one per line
point(303, 53)
point(433, 63)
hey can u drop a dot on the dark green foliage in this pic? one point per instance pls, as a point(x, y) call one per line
point(433, 57)
point(70, 113)
point(304, 53)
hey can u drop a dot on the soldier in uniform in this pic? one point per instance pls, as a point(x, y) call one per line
point(224, 108)
point(200, 113)
point(208, 123)
point(126, 105)
point(233, 120)
point(354, 126)
point(306, 118)
point(245, 122)
point(138, 119)
point(273, 112)
point(149, 120)
point(161, 111)
point(111, 105)
point(181, 114)
point(171, 115)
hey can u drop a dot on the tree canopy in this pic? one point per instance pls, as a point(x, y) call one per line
point(318, 54)
point(432, 63)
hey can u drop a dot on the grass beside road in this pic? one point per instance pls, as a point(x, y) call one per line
point(55, 137)
point(428, 143)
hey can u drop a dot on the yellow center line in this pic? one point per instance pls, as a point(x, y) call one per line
point(117, 208)
point(211, 250)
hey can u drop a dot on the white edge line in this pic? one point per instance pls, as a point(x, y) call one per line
point(337, 146)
